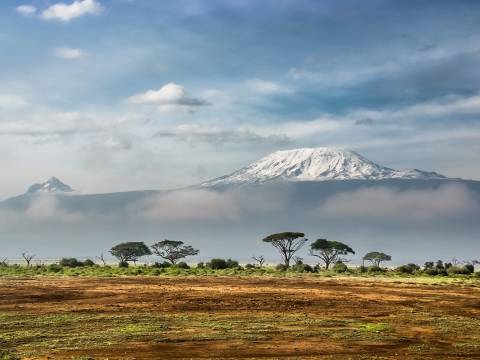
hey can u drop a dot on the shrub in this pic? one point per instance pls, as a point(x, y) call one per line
point(428, 265)
point(363, 269)
point(408, 269)
point(70, 262)
point(301, 268)
point(459, 270)
point(470, 268)
point(88, 262)
point(281, 267)
point(434, 272)
point(376, 269)
point(340, 267)
point(200, 265)
point(182, 265)
point(231, 264)
point(54, 268)
point(217, 264)
point(162, 265)
point(249, 266)
point(123, 264)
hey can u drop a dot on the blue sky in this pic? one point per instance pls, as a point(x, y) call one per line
point(133, 94)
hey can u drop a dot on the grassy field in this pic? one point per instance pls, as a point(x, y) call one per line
point(233, 316)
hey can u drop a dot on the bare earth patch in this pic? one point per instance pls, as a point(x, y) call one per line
point(238, 317)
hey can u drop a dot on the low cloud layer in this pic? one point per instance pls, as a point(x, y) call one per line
point(233, 222)
point(449, 201)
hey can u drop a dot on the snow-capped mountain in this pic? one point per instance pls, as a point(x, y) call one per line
point(316, 164)
point(52, 185)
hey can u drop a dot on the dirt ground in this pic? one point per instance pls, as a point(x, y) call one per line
point(238, 317)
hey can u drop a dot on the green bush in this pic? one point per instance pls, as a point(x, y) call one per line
point(88, 262)
point(376, 269)
point(435, 272)
point(162, 265)
point(232, 264)
point(182, 265)
point(70, 262)
point(123, 264)
point(300, 268)
point(217, 264)
point(200, 265)
point(250, 266)
point(340, 267)
point(459, 270)
point(54, 268)
point(408, 269)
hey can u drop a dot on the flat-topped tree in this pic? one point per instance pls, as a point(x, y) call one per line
point(172, 250)
point(330, 252)
point(287, 244)
point(130, 251)
point(376, 257)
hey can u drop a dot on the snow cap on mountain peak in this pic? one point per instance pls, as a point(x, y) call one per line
point(316, 164)
point(52, 185)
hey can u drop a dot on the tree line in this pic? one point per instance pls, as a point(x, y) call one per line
point(329, 252)
point(287, 243)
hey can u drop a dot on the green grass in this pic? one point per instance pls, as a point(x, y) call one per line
point(28, 334)
point(111, 271)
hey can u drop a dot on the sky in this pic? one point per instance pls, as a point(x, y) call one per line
point(115, 95)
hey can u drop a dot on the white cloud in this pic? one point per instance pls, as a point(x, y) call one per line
point(66, 12)
point(169, 98)
point(267, 87)
point(188, 205)
point(9, 101)
point(46, 208)
point(69, 53)
point(26, 10)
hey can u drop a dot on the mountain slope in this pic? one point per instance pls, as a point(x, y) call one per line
point(52, 185)
point(315, 164)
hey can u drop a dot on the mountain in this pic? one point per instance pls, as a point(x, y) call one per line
point(315, 164)
point(52, 185)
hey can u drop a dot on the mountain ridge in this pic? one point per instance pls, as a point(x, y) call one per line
point(315, 164)
point(52, 185)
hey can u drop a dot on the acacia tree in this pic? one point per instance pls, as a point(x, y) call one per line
point(376, 257)
point(130, 251)
point(287, 243)
point(329, 252)
point(173, 251)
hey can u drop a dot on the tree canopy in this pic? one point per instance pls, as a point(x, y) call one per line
point(376, 257)
point(130, 251)
point(287, 243)
point(172, 250)
point(329, 251)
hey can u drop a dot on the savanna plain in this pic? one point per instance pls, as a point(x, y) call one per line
point(220, 315)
